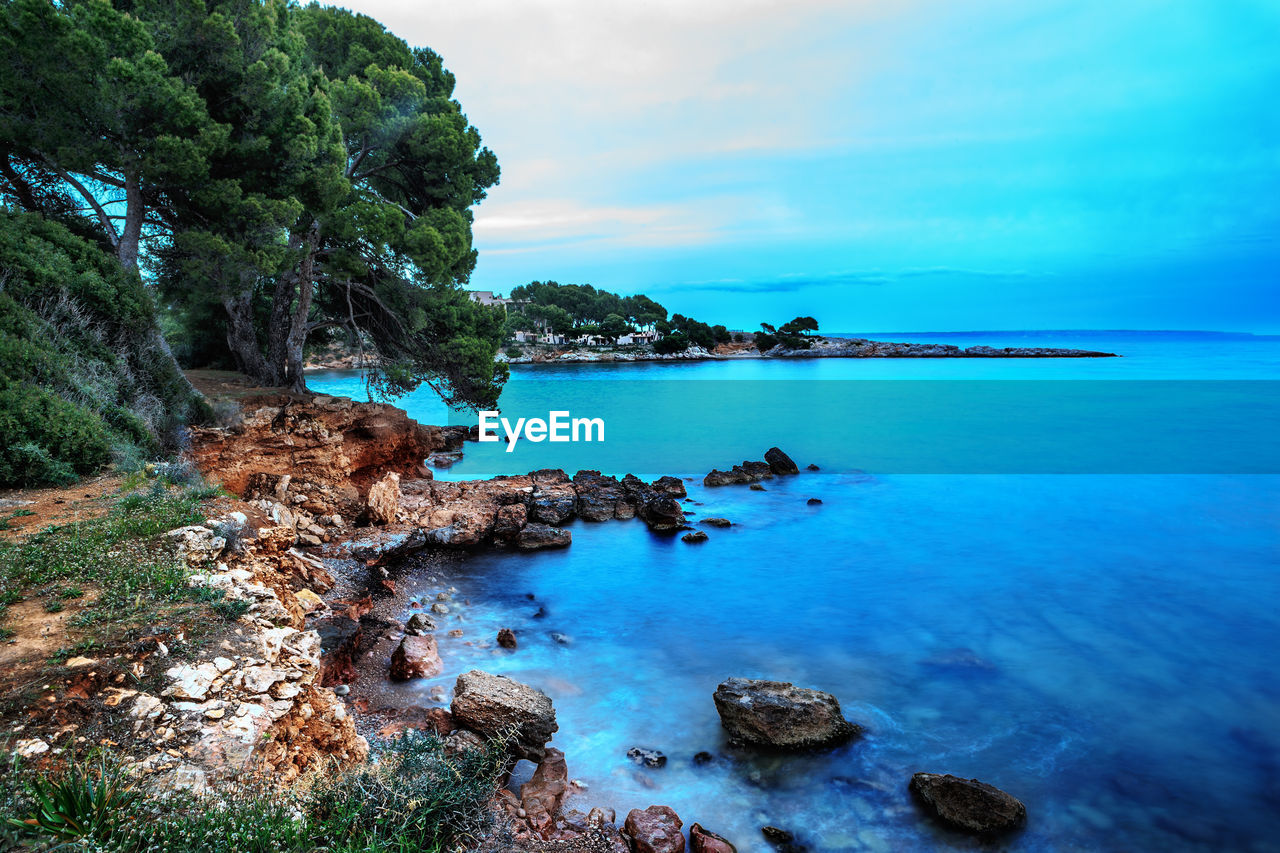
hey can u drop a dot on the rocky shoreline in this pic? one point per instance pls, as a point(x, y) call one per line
point(343, 486)
point(334, 529)
point(822, 347)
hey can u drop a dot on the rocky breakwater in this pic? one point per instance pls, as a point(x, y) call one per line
point(864, 348)
point(523, 512)
point(331, 443)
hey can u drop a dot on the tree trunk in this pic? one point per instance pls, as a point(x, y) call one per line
point(290, 308)
point(297, 339)
point(134, 213)
point(242, 338)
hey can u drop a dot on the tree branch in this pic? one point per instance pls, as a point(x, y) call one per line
point(103, 218)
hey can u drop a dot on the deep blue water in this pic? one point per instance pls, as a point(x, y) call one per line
point(1100, 644)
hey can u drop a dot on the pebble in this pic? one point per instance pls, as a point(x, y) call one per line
point(341, 690)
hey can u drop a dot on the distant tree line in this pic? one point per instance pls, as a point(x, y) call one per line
point(583, 310)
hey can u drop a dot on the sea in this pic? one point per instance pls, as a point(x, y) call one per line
point(1058, 576)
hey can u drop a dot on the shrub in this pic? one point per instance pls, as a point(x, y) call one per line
point(84, 375)
point(416, 794)
point(83, 802)
point(514, 352)
point(674, 342)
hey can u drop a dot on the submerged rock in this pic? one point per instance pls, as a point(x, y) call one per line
point(716, 521)
point(647, 757)
point(507, 638)
point(782, 841)
point(756, 487)
point(695, 536)
point(779, 715)
point(494, 704)
point(416, 657)
point(968, 804)
point(813, 501)
point(779, 462)
point(655, 830)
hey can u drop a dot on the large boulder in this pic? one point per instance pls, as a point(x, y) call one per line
point(495, 705)
point(535, 536)
point(779, 715)
point(416, 657)
point(655, 830)
point(779, 462)
point(968, 804)
point(384, 499)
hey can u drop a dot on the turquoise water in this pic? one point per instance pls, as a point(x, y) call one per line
point(1098, 644)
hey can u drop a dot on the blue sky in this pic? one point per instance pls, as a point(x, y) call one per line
point(986, 164)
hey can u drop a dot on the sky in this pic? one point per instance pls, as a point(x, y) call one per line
point(881, 166)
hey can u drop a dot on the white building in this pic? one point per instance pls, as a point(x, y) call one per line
point(487, 297)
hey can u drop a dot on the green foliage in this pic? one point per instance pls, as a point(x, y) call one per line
point(415, 795)
point(615, 326)
point(671, 343)
point(412, 789)
point(82, 378)
point(791, 335)
point(697, 332)
point(231, 609)
point(279, 168)
point(585, 304)
point(85, 801)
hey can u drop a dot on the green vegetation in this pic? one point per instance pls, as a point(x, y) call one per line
point(792, 335)
point(82, 803)
point(134, 575)
point(284, 173)
point(580, 310)
point(415, 795)
point(84, 380)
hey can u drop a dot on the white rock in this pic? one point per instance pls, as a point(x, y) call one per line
point(30, 747)
point(259, 679)
point(190, 682)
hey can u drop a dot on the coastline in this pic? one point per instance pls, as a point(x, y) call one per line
point(823, 347)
